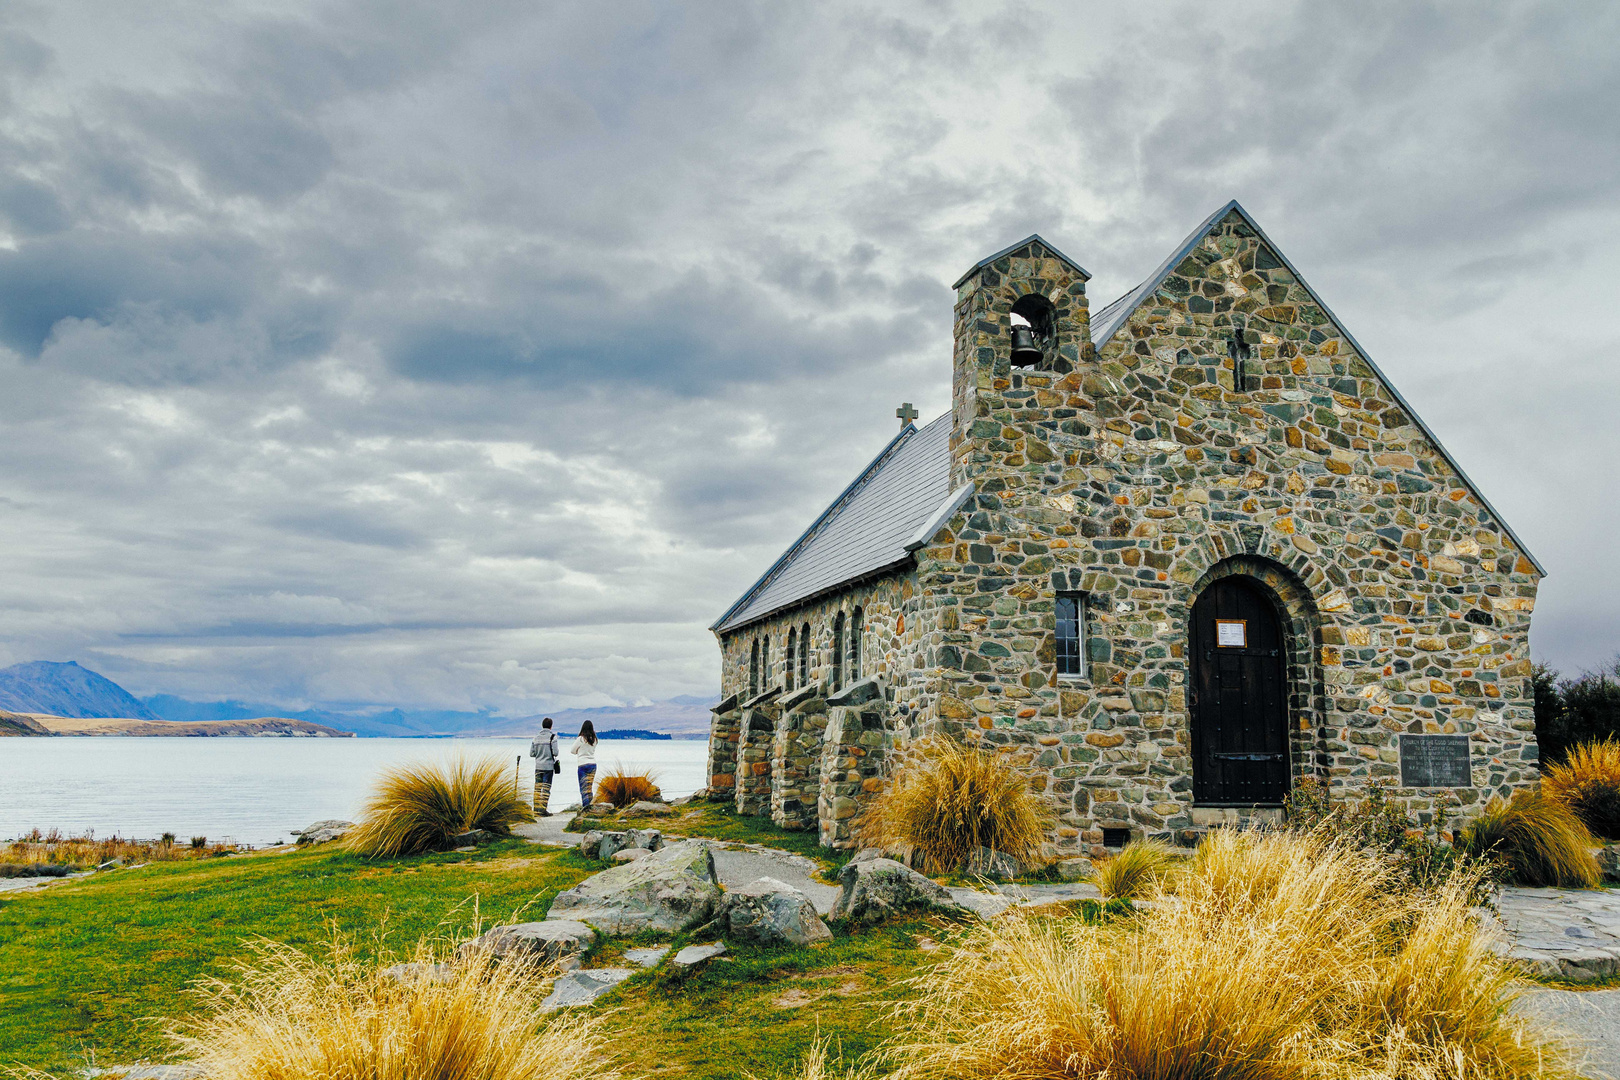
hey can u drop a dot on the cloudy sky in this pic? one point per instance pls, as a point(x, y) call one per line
point(478, 355)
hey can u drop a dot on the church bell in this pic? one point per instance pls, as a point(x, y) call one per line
point(1026, 352)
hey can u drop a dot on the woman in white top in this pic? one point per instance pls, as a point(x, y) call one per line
point(584, 751)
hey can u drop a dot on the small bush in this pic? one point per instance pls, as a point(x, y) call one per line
point(1588, 782)
point(167, 839)
point(1137, 871)
point(288, 1016)
point(198, 843)
point(1536, 839)
point(1281, 957)
point(622, 789)
point(949, 800)
point(421, 807)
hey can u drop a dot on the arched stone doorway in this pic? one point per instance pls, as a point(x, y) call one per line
point(1239, 695)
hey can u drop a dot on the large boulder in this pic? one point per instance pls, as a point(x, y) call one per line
point(560, 941)
point(990, 863)
point(670, 890)
point(770, 912)
point(874, 889)
point(650, 839)
point(324, 832)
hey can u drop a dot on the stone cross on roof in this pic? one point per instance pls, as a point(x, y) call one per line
point(906, 413)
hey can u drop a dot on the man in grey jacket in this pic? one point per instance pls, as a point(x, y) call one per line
point(547, 762)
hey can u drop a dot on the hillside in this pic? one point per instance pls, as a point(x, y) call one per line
point(20, 724)
point(66, 690)
point(128, 726)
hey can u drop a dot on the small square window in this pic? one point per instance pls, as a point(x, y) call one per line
point(1071, 633)
point(1116, 837)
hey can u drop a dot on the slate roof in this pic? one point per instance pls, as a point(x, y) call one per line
point(878, 520)
point(867, 529)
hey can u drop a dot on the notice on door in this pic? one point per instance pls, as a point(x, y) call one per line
point(1231, 633)
point(1435, 761)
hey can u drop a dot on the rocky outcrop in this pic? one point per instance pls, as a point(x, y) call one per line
point(771, 912)
point(324, 832)
point(670, 890)
point(552, 941)
point(993, 864)
point(877, 888)
point(583, 987)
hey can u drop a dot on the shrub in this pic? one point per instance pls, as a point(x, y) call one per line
point(421, 807)
point(1376, 822)
point(949, 800)
point(1588, 782)
point(288, 1016)
point(1138, 870)
point(623, 788)
point(198, 843)
point(1282, 956)
point(1536, 839)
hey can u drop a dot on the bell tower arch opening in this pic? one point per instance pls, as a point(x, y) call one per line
point(1033, 331)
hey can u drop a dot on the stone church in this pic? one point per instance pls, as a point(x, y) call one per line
point(1170, 558)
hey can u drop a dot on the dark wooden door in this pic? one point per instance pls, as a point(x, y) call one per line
point(1239, 697)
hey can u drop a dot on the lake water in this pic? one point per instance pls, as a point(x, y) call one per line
point(259, 791)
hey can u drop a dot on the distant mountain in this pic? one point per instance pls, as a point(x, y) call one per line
point(389, 723)
point(67, 690)
point(686, 715)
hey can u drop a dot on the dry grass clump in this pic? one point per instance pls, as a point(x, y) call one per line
point(1138, 870)
point(1278, 957)
point(55, 848)
point(1588, 782)
point(948, 800)
point(421, 807)
point(289, 1016)
point(1537, 839)
point(624, 788)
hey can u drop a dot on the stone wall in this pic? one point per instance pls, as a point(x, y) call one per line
point(796, 759)
point(854, 759)
point(725, 732)
point(1140, 475)
point(757, 733)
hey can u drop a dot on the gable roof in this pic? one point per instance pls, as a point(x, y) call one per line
point(1108, 321)
point(869, 528)
point(1032, 238)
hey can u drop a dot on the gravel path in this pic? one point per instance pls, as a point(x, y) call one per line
point(1592, 1017)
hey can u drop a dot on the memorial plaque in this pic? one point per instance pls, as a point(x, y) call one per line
point(1435, 761)
point(1231, 633)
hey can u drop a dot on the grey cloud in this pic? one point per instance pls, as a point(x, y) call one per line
point(478, 358)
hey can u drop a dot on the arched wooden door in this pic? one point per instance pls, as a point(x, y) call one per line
point(1239, 697)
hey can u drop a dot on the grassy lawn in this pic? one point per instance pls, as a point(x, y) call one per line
point(84, 963)
point(719, 821)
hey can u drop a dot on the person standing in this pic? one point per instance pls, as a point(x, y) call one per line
point(547, 762)
point(584, 751)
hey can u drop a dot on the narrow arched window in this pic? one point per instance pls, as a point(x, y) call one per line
point(838, 651)
point(1238, 350)
point(765, 661)
point(792, 649)
point(753, 670)
point(855, 645)
point(804, 655)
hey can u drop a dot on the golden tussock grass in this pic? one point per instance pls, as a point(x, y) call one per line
point(420, 807)
point(948, 800)
point(1276, 957)
point(1588, 782)
point(1139, 868)
point(1538, 839)
point(289, 1016)
point(622, 788)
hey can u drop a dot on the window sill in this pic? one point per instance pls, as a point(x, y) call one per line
point(1078, 681)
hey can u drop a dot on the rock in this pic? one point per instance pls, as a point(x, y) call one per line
point(693, 955)
point(645, 807)
point(612, 843)
point(413, 972)
point(650, 839)
point(1074, 869)
point(324, 832)
point(555, 940)
point(877, 888)
point(630, 854)
point(590, 845)
point(671, 889)
point(904, 854)
point(600, 809)
point(583, 987)
point(769, 912)
point(993, 864)
point(183, 1071)
point(647, 957)
point(473, 837)
point(1608, 857)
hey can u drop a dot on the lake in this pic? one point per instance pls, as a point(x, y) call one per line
point(259, 791)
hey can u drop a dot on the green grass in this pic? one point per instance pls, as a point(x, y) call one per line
point(84, 963)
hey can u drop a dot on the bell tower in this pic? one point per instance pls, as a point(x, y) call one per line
point(1022, 328)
